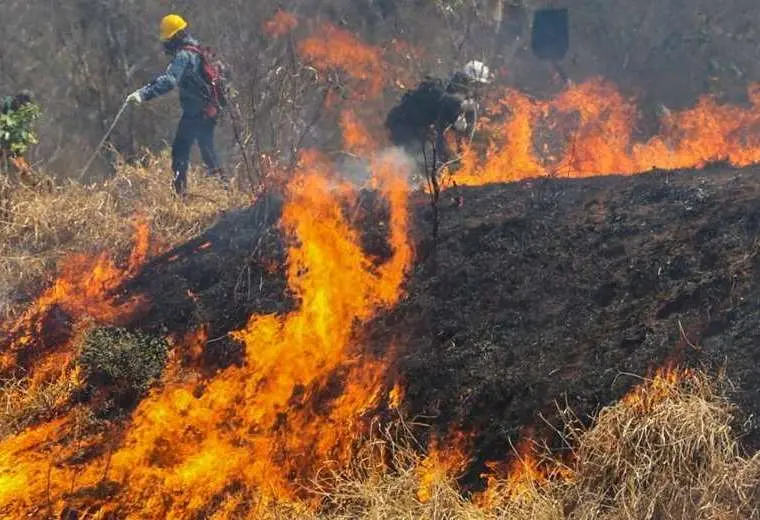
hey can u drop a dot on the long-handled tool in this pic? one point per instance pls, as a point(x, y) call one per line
point(105, 138)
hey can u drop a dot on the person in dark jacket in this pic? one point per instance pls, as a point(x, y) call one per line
point(428, 111)
point(184, 71)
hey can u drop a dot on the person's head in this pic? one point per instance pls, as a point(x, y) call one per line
point(172, 31)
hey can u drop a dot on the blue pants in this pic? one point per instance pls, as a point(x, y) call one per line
point(193, 128)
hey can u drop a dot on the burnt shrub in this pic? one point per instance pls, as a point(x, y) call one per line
point(120, 365)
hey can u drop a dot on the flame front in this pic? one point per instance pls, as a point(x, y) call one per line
point(37, 342)
point(257, 431)
point(591, 128)
point(666, 383)
point(443, 463)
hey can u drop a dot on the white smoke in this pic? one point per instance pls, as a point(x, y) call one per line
point(358, 170)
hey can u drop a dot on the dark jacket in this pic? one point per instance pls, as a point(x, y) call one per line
point(184, 72)
point(434, 102)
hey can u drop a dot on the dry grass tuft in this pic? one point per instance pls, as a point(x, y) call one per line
point(386, 481)
point(675, 458)
point(666, 451)
point(38, 227)
point(24, 402)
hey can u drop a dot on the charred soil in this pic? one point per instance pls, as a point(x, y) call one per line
point(540, 293)
point(564, 292)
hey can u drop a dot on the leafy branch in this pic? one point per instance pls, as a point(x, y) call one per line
point(16, 129)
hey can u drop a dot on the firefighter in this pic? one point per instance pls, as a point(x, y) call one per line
point(184, 71)
point(438, 105)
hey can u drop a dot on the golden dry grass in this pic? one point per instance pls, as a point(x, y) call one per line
point(23, 403)
point(39, 227)
point(675, 457)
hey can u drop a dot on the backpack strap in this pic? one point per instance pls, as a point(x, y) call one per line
point(192, 48)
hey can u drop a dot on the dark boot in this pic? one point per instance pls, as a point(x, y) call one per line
point(180, 184)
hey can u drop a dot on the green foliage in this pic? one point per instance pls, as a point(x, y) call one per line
point(16, 128)
point(116, 356)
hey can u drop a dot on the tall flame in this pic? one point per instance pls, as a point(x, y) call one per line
point(596, 126)
point(259, 430)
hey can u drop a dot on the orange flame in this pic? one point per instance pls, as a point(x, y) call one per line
point(282, 23)
point(84, 290)
point(443, 462)
point(356, 138)
point(396, 396)
point(665, 383)
point(259, 430)
point(524, 472)
point(598, 124)
point(332, 48)
point(520, 476)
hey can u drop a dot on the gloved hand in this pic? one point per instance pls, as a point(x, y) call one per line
point(135, 98)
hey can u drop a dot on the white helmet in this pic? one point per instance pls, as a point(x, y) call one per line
point(477, 71)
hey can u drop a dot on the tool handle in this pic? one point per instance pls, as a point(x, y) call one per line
point(102, 141)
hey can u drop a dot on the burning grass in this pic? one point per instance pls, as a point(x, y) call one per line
point(305, 386)
point(675, 458)
point(40, 228)
point(590, 129)
point(666, 451)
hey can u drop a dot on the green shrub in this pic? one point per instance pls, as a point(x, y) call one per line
point(16, 128)
point(131, 361)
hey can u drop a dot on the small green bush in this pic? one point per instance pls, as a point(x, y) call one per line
point(126, 359)
point(16, 128)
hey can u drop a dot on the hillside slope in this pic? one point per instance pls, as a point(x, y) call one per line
point(567, 290)
point(541, 291)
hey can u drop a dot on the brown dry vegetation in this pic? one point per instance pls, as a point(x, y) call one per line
point(665, 452)
point(42, 227)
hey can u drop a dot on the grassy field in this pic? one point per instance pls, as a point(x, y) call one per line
point(40, 227)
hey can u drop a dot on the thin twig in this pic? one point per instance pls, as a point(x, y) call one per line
point(686, 338)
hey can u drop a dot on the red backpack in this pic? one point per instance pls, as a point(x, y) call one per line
point(214, 73)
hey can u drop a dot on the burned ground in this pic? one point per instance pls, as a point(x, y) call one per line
point(565, 291)
point(540, 292)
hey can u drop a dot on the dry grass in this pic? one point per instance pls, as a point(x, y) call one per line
point(673, 457)
point(38, 228)
point(23, 402)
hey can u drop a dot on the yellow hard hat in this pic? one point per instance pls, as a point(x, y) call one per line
point(170, 25)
